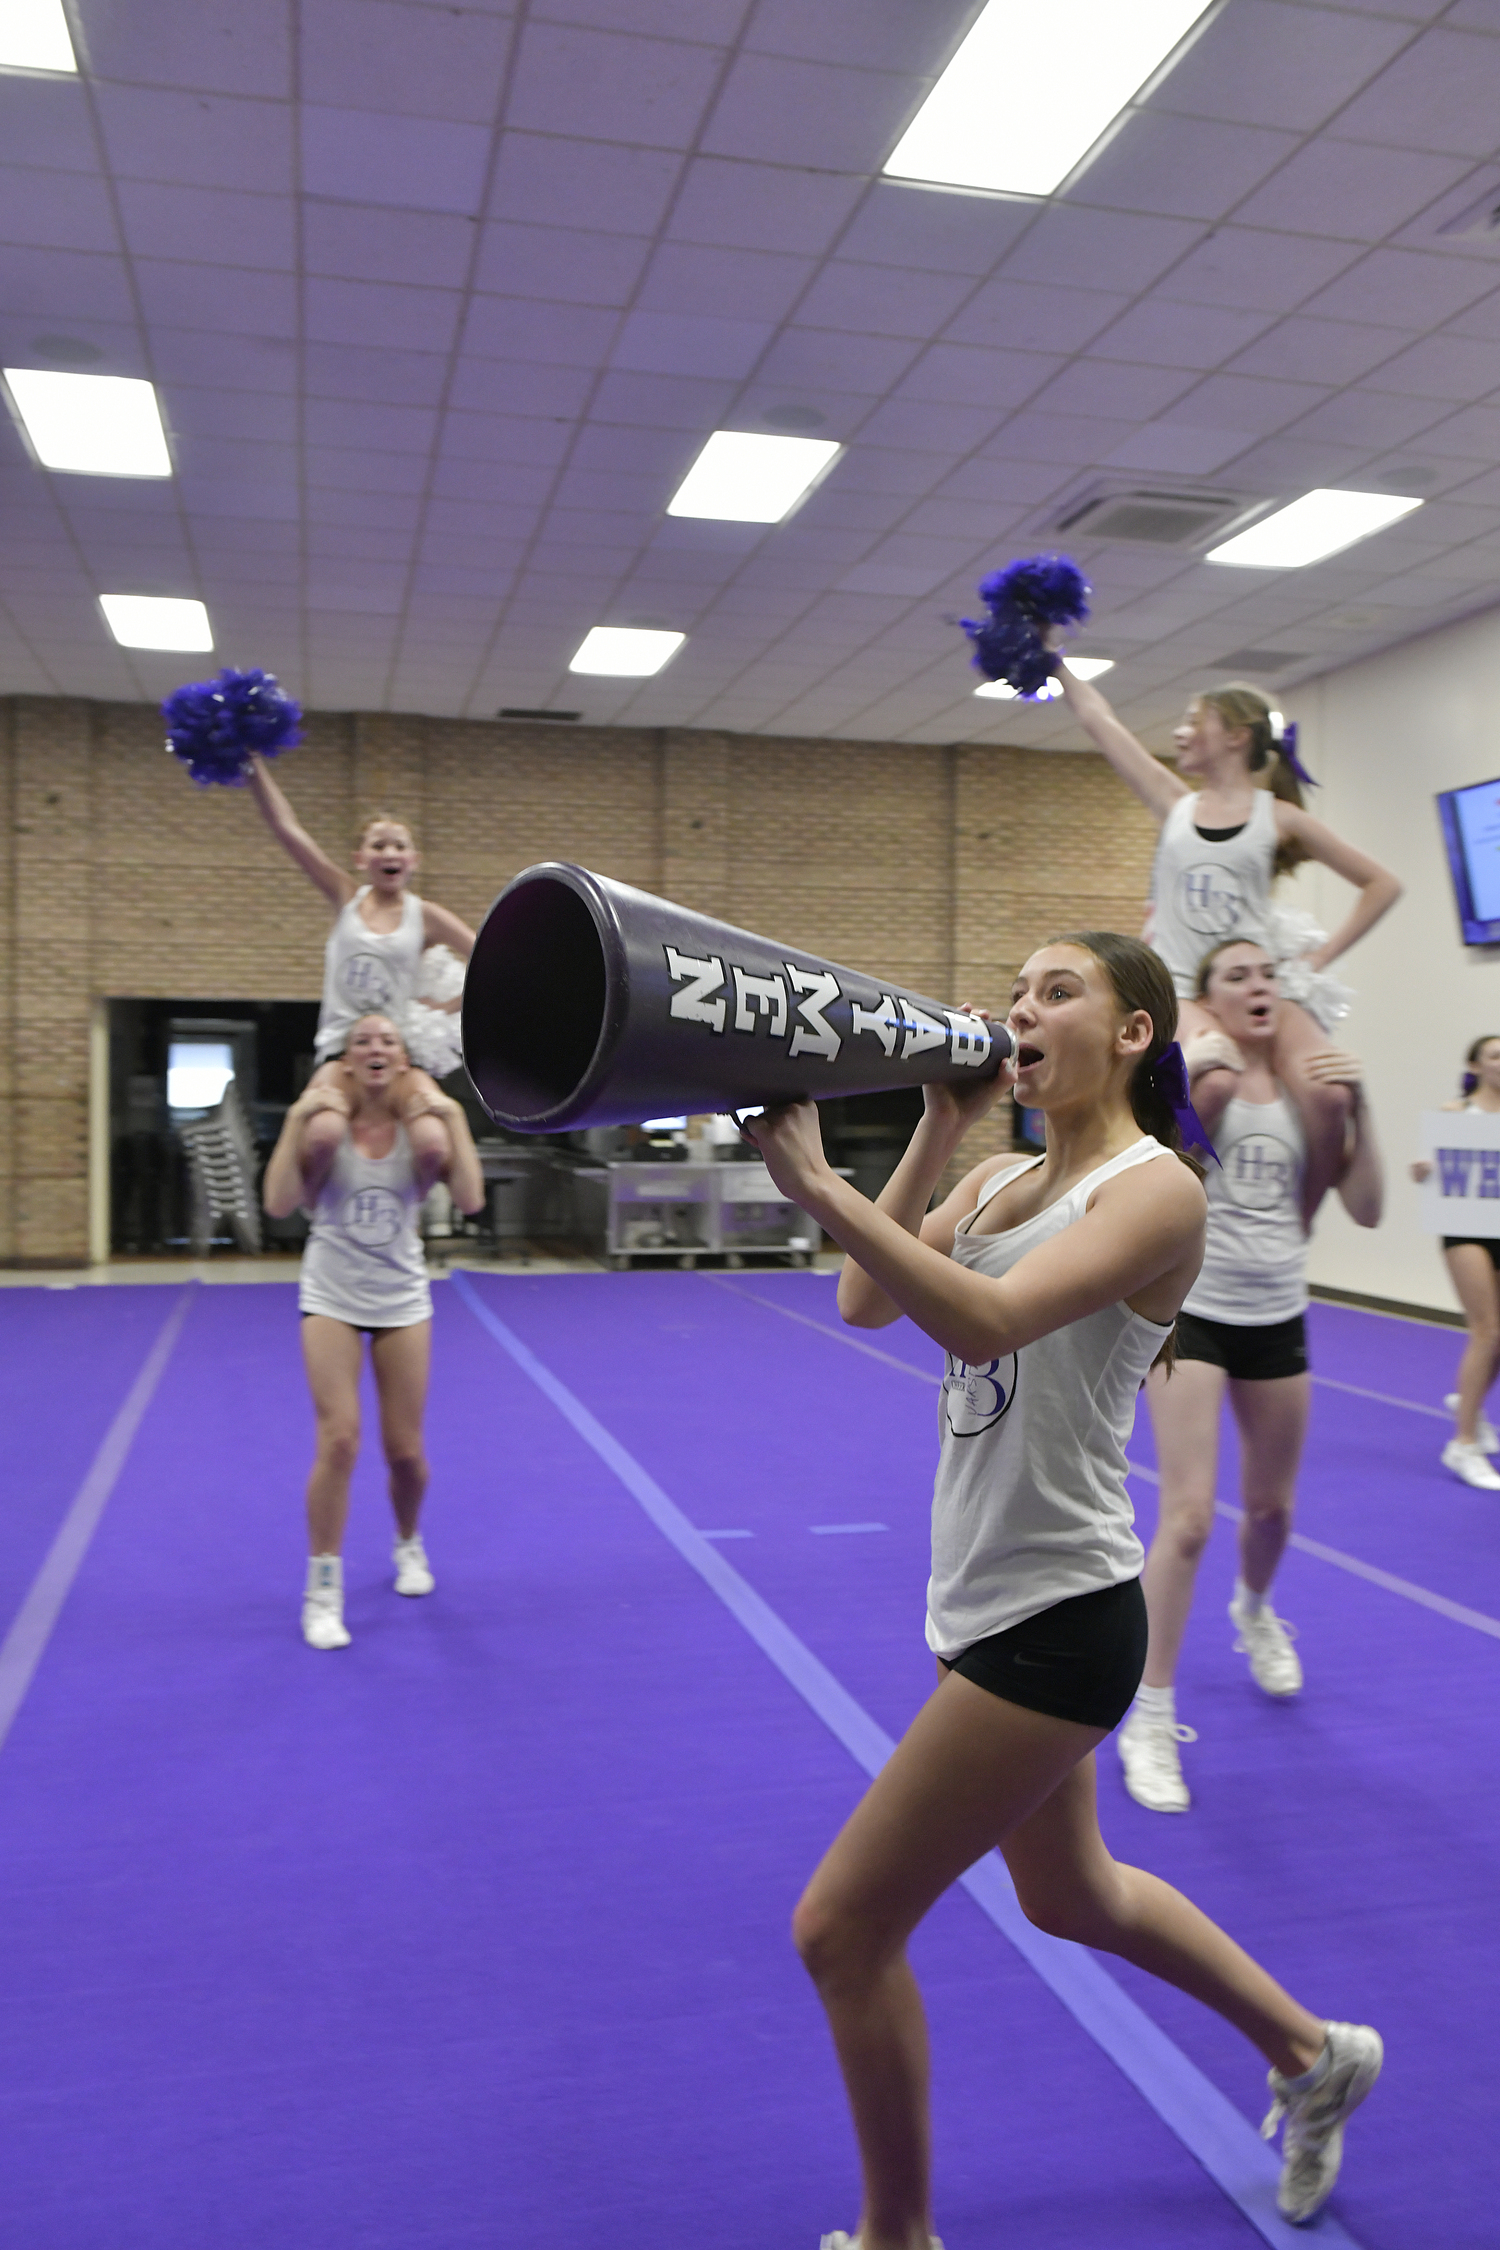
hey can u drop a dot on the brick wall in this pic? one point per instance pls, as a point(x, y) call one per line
point(937, 867)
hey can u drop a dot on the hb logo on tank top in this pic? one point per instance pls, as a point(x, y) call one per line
point(372, 1217)
point(367, 981)
point(1209, 899)
point(1261, 1172)
point(975, 1398)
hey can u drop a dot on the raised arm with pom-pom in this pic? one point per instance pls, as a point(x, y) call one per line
point(1026, 600)
point(216, 726)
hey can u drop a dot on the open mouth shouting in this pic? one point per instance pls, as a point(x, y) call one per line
point(1027, 1055)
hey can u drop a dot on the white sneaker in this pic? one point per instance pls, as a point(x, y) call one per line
point(1312, 2146)
point(1152, 1768)
point(1267, 1640)
point(323, 1604)
point(1468, 1462)
point(1486, 1436)
point(413, 1571)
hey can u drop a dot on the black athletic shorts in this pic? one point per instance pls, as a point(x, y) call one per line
point(1489, 1242)
point(1082, 1659)
point(1247, 1355)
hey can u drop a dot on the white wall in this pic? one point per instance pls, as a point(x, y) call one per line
point(1383, 736)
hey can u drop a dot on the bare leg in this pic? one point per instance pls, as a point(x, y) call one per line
point(1185, 1418)
point(1273, 1423)
point(1068, 1884)
point(974, 1771)
point(1478, 1287)
point(400, 1358)
point(330, 1349)
point(1325, 1111)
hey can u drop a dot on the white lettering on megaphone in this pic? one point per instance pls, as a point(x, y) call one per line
point(971, 1038)
point(922, 1031)
point(702, 977)
point(812, 1035)
point(884, 1021)
point(759, 996)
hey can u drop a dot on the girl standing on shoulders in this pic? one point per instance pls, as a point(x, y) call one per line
point(1240, 1333)
point(1222, 846)
point(1474, 1263)
point(1053, 1284)
point(346, 1156)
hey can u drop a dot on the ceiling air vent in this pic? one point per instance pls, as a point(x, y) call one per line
point(1158, 515)
point(1266, 661)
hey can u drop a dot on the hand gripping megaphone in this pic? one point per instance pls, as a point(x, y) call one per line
point(590, 1003)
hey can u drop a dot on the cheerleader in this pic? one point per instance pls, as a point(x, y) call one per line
point(387, 949)
point(1474, 1263)
point(1053, 1283)
point(1221, 848)
point(347, 1157)
point(1241, 1333)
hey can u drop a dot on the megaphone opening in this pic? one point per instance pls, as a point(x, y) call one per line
point(543, 1000)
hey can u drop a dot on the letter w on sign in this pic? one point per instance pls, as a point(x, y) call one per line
point(813, 1035)
point(1454, 1167)
point(699, 979)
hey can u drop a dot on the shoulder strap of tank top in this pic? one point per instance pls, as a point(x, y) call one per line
point(995, 1182)
point(1139, 1152)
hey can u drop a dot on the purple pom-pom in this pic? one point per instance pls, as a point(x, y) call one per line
point(1023, 600)
point(215, 726)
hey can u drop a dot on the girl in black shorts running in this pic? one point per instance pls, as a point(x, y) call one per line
point(1052, 1283)
point(1474, 1263)
point(1240, 1333)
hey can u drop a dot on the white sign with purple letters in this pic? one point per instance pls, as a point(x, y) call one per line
point(1461, 1194)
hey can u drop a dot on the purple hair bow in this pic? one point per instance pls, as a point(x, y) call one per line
point(1170, 1078)
point(1287, 744)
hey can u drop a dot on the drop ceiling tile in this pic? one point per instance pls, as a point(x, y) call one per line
point(1250, 268)
point(742, 284)
point(874, 301)
point(335, 588)
point(971, 375)
point(218, 358)
point(1160, 333)
point(1373, 419)
point(1464, 368)
point(615, 492)
point(1420, 291)
point(1185, 167)
point(761, 207)
point(55, 210)
point(45, 121)
point(357, 243)
point(594, 85)
point(1347, 188)
point(409, 60)
point(381, 428)
point(1119, 388)
point(409, 163)
point(884, 34)
point(518, 387)
point(1473, 431)
point(1178, 448)
point(229, 300)
point(1284, 466)
point(205, 492)
point(212, 413)
point(835, 504)
point(510, 493)
point(1038, 435)
point(1252, 403)
point(568, 264)
point(219, 226)
point(662, 402)
point(389, 510)
point(1004, 482)
point(1032, 317)
point(383, 376)
point(250, 460)
point(376, 314)
point(213, 46)
point(714, 21)
point(809, 360)
point(504, 437)
point(521, 328)
point(1295, 65)
point(32, 340)
point(689, 344)
point(1439, 95)
point(934, 427)
point(824, 115)
point(928, 232)
point(1320, 351)
point(1100, 249)
point(1479, 319)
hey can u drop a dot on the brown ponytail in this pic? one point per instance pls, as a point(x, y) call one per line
point(1242, 706)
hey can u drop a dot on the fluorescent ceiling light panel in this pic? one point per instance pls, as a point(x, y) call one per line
point(740, 477)
point(625, 652)
point(1320, 523)
point(157, 621)
point(91, 425)
point(34, 36)
point(1082, 667)
point(995, 120)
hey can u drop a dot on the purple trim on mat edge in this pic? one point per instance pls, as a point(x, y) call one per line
point(1209, 2126)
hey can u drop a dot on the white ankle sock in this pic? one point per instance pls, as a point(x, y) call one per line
point(1312, 2075)
point(1247, 1600)
point(325, 1574)
point(1157, 1703)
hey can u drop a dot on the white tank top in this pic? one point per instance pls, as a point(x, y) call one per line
point(363, 1262)
point(1254, 1270)
point(1030, 1506)
point(1204, 892)
point(367, 972)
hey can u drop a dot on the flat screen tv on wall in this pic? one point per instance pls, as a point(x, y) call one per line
point(1471, 831)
